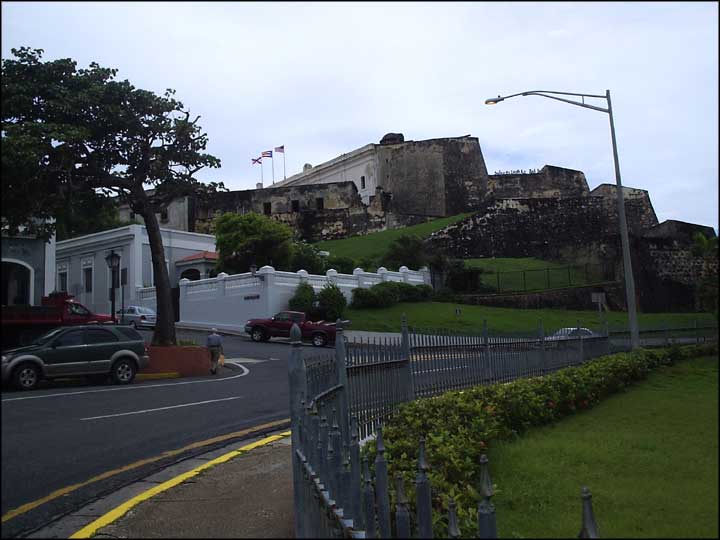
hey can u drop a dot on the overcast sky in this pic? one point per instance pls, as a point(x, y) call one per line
point(323, 79)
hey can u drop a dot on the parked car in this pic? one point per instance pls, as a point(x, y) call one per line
point(572, 333)
point(137, 316)
point(22, 324)
point(321, 333)
point(92, 350)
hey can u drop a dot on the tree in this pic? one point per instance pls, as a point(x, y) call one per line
point(87, 213)
point(707, 287)
point(407, 250)
point(306, 257)
point(243, 240)
point(67, 131)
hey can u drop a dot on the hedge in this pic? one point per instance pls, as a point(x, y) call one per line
point(460, 425)
point(388, 294)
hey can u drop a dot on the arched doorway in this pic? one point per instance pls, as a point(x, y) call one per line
point(16, 283)
point(193, 274)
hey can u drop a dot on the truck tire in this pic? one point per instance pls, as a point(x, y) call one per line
point(258, 334)
point(319, 340)
point(123, 371)
point(26, 376)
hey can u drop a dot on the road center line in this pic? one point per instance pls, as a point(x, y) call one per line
point(134, 387)
point(162, 408)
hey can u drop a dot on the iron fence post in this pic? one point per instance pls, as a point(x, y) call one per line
point(382, 495)
point(402, 515)
point(341, 366)
point(422, 495)
point(405, 347)
point(588, 528)
point(541, 334)
point(356, 486)
point(580, 346)
point(453, 531)
point(368, 501)
point(486, 509)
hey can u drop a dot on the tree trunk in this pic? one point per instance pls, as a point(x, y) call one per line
point(165, 325)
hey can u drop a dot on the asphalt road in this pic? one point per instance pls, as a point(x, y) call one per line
point(67, 433)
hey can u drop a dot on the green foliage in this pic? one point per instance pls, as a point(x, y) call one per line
point(251, 238)
point(463, 279)
point(388, 294)
point(458, 426)
point(407, 250)
point(331, 302)
point(86, 213)
point(344, 265)
point(707, 286)
point(303, 299)
point(305, 257)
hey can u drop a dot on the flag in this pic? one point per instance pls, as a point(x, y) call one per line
point(280, 149)
point(257, 161)
point(267, 153)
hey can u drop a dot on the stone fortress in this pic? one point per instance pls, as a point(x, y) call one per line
point(550, 214)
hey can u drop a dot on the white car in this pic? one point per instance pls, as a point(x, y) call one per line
point(572, 333)
point(137, 317)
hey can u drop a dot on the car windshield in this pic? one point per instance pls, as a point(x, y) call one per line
point(47, 337)
point(145, 311)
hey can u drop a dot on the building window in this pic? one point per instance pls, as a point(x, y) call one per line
point(295, 206)
point(88, 279)
point(123, 276)
point(267, 208)
point(320, 203)
point(362, 182)
point(62, 282)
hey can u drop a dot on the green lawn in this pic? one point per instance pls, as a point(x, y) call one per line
point(500, 264)
point(375, 244)
point(442, 315)
point(649, 456)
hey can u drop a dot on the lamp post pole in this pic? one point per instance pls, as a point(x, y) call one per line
point(113, 261)
point(624, 239)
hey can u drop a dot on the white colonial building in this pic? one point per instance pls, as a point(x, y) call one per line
point(81, 269)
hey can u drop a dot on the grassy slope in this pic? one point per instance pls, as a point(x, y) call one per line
point(442, 315)
point(649, 457)
point(375, 244)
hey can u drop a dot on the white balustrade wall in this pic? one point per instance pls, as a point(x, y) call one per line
point(227, 302)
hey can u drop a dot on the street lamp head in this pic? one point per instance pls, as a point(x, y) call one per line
point(494, 101)
point(113, 260)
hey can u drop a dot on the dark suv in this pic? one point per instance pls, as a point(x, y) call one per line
point(92, 350)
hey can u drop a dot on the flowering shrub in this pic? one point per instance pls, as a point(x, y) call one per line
point(458, 426)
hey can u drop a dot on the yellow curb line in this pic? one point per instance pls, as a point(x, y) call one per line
point(151, 376)
point(113, 515)
point(69, 489)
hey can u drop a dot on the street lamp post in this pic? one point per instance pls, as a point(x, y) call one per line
point(113, 261)
point(627, 264)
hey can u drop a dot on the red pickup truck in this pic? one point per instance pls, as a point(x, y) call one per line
point(22, 324)
point(321, 333)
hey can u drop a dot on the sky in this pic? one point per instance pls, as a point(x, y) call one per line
point(323, 79)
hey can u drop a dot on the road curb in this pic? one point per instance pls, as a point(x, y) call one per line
point(119, 511)
point(153, 376)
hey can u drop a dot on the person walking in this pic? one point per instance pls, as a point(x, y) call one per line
point(214, 344)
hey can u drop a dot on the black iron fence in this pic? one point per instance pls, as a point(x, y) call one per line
point(555, 277)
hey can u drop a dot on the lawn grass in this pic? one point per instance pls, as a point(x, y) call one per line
point(375, 244)
point(504, 320)
point(505, 264)
point(649, 456)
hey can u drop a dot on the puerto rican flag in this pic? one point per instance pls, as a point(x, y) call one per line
point(257, 161)
point(266, 153)
point(280, 149)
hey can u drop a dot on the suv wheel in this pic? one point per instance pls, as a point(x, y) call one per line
point(258, 334)
point(123, 371)
point(26, 376)
point(319, 340)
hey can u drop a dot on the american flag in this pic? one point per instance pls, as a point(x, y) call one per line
point(280, 149)
point(266, 153)
point(257, 161)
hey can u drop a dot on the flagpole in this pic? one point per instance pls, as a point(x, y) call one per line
point(261, 173)
point(272, 161)
point(284, 177)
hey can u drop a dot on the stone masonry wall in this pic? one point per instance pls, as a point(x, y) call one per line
point(554, 182)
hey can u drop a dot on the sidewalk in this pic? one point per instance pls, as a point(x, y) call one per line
point(249, 496)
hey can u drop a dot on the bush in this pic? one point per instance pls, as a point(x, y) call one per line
point(407, 250)
point(389, 293)
point(460, 425)
point(303, 299)
point(305, 257)
point(331, 302)
point(368, 298)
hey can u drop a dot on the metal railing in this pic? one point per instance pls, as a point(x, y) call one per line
point(554, 277)
point(337, 399)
